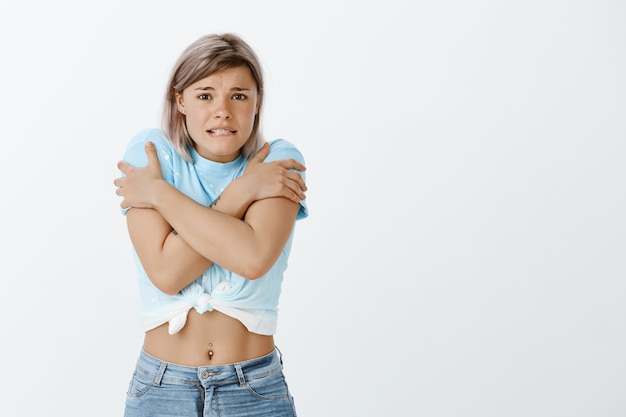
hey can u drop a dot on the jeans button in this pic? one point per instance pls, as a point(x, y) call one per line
point(204, 374)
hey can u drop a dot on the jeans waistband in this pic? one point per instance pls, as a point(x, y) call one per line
point(163, 372)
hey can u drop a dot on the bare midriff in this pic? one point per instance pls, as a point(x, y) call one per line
point(212, 338)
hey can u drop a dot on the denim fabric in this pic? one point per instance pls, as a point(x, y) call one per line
point(252, 388)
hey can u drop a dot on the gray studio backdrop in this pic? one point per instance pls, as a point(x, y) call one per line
point(466, 163)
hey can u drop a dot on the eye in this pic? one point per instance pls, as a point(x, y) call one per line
point(204, 97)
point(239, 96)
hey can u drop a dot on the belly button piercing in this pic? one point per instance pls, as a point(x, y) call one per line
point(210, 351)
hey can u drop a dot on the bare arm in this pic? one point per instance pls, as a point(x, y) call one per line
point(248, 248)
point(170, 262)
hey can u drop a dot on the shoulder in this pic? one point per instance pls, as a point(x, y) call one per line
point(282, 149)
point(153, 135)
point(135, 152)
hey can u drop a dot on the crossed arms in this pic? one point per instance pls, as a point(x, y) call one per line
point(177, 239)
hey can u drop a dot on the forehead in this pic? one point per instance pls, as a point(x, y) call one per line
point(235, 77)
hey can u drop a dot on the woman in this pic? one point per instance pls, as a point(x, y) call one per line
point(211, 223)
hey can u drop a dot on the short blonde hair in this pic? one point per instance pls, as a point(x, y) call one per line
point(208, 55)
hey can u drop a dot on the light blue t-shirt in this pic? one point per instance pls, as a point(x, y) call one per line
point(253, 302)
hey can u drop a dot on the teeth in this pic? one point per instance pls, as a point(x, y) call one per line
point(220, 131)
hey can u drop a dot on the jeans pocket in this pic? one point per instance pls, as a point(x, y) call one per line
point(268, 387)
point(139, 385)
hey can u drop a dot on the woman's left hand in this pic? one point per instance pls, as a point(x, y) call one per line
point(274, 179)
point(138, 186)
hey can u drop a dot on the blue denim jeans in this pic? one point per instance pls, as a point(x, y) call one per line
point(252, 388)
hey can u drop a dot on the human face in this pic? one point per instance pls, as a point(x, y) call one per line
point(220, 111)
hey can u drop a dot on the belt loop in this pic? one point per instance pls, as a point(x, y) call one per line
point(159, 375)
point(280, 354)
point(242, 379)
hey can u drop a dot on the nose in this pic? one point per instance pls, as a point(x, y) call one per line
point(222, 109)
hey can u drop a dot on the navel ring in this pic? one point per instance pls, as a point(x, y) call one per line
point(210, 351)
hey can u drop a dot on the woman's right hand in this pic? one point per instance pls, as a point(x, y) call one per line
point(273, 179)
point(137, 184)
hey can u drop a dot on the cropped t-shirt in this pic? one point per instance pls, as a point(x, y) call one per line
point(253, 302)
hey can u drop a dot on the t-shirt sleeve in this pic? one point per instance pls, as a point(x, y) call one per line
point(135, 153)
point(282, 149)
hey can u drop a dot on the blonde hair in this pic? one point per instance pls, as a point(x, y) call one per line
point(208, 55)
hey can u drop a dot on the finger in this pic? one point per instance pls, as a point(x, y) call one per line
point(298, 196)
point(262, 153)
point(292, 164)
point(295, 189)
point(123, 166)
point(297, 178)
point(151, 153)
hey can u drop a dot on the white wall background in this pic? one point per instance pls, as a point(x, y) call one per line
point(466, 163)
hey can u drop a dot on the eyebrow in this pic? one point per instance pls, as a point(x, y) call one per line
point(213, 89)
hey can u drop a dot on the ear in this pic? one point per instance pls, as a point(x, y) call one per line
point(180, 103)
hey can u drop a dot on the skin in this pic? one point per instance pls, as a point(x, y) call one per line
point(220, 112)
point(244, 232)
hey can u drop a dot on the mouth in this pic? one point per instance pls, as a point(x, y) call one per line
point(221, 132)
